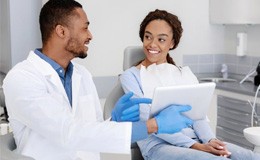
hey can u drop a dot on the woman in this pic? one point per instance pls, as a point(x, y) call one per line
point(160, 32)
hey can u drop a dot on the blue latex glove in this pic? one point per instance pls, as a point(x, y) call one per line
point(127, 108)
point(170, 120)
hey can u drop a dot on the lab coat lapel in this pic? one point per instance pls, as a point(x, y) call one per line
point(76, 81)
point(46, 70)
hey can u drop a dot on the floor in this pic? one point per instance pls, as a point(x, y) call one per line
point(106, 156)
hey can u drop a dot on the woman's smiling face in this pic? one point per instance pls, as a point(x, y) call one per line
point(157, 41)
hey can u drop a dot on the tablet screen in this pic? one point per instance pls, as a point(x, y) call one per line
point(198, 96)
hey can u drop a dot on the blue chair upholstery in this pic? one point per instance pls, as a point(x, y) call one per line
point(132, 55)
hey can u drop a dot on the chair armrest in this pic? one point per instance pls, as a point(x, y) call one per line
point(11, 155)
point(135, 152)
point(112, 98)
point(7, 146)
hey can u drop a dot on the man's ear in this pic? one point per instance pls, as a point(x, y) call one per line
point(61, 31)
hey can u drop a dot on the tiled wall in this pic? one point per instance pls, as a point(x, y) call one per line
point(211, 63)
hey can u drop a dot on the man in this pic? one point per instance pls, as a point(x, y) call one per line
point(53, 105)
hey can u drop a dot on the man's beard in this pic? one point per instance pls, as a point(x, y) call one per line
point(74, 47)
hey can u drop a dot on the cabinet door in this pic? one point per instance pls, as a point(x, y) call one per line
point(234, 11)
point(233, 125)
point(228, 135)
point(234, 115)
point(237, 110)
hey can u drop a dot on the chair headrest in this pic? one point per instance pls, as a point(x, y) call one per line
point(132, 55)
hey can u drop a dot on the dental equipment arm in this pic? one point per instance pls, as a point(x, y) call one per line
point(253, 107)
point(251, 72)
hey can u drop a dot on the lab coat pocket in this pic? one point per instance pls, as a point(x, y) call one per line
point(86, 108)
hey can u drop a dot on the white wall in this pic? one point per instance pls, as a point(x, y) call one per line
point(20, 30)
point(115, 25)
point(44, 1)
point(253, 38)
point(5, 46)
point(24, 25)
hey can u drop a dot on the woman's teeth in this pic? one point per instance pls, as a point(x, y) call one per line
point(153, 52)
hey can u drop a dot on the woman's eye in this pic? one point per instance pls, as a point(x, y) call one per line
point(161, 40)
point(147, 37)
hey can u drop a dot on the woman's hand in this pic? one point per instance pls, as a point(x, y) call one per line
point(214, 146)
point(219, 145)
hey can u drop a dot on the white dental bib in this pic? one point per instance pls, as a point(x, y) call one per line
point(164, 74)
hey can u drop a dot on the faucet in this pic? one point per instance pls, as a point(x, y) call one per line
point(224, 71)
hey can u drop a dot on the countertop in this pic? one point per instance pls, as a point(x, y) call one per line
point(247, 87)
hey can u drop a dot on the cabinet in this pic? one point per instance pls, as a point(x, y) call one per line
point(234, 11)
point(233, 116)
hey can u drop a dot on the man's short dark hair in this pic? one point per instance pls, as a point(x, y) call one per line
point(56, 12)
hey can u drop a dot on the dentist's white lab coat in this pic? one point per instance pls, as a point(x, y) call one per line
point(46, 127)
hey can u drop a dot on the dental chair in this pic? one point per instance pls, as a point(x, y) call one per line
point(3, 116)
point(7, 143)
point(7, 146)
point(132, 55)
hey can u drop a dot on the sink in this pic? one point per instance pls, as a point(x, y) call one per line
point(217, 80)
point(252, 134)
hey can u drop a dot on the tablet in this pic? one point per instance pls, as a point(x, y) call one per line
point(198, 96)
